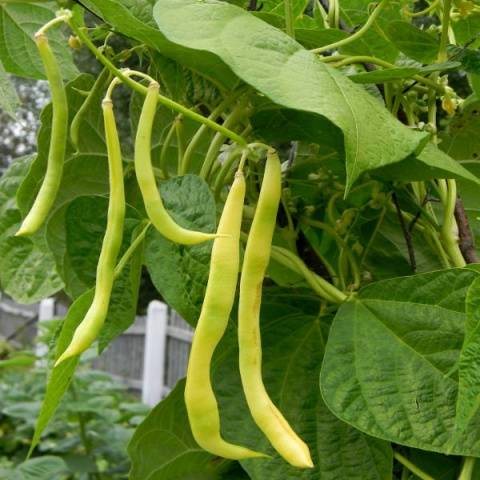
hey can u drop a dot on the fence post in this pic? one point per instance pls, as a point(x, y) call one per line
point(46, 311)
point(154, 353)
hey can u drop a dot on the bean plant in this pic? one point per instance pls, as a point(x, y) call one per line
point(303, 184)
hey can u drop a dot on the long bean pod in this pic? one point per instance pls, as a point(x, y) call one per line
point(156, 211)
point(257, 255)
point(58, 139)
point(90, 327)
point(200, 399)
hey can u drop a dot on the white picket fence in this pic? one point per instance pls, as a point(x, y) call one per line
point(150, 357)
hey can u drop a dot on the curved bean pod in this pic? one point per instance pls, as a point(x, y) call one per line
point(156, 211)
point(88, 330)
point(53, 176)
point(200, 399)
point(257, 255)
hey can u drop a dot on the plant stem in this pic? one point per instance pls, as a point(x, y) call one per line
point(467, 468)
point(166, 144)
point(79, 31)
point(371, 19)
point(442, 50)
point(318, 284)
point(289, 19)
point(411, 466)
point(131, 250)
point(382, 63)
point(180, 133)
point(197, 137)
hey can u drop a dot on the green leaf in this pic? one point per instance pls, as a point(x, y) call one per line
point(374, 42)
point(387, 75)
point(468, 57)
point(76, 237)
point(275, 64)
point(163, 447)
point(461, 139)
point(18, 52)
point(466, 29)
point(469, 363)
point(179, 272)
point(138, 23)
point(9, 100)
point(430, 163)
point(412, 41)
point(388, 361)
point(47, 467)
point(27, 268)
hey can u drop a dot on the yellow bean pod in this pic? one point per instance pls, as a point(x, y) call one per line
point(200, 399)
point(90, 327)
point(256, 259)
point(156, 211)
point(58, 139)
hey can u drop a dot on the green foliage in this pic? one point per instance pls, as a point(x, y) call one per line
point(378, 132)
point(108, 412)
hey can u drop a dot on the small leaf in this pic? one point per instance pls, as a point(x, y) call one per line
point(413, 42)
point(179, 272)
point(18, 23)
point(47, 467)
point(9, 100)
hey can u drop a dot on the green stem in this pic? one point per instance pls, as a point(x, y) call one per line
point(197, 137)
point(382, 63)
point(356, 35)
point(166, 145)
point(442, 50)
point(289, 19)
point(131, 250)
point(79, 31)
point(225, 168)
point(467, 468)
point(180, 134)
point(423, 12)
point(219, 139)
point(411, 466)
point(318, 284)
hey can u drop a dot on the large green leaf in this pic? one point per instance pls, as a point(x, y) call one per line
point(27, 268)
point(430, 163)
point(388, 363)
point(9, 100)
point(412, 41)
point(134, 18)
point(179, 272)
point(75, 235)
point(18, 52)
point(163, 447)
point(291, 76)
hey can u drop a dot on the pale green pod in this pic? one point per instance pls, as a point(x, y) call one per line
point(156, 211)
point(200, 399)
point(88, 330)
point(58, 140)
point(257, 255)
